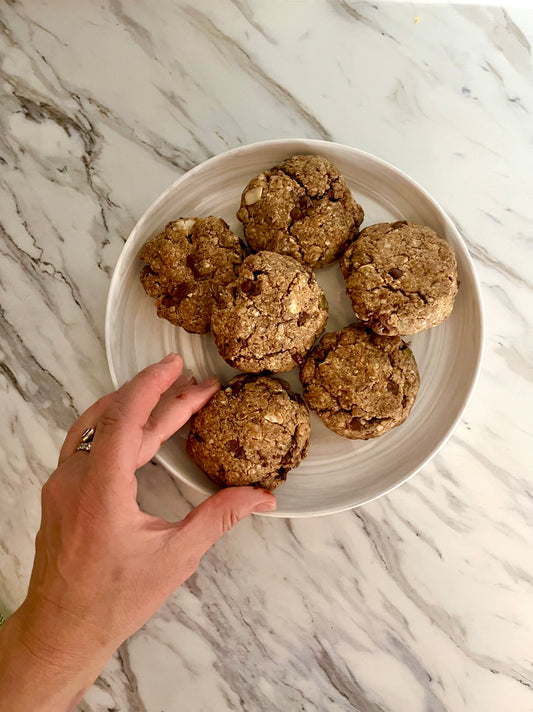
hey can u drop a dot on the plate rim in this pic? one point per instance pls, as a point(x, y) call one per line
point(312, 143)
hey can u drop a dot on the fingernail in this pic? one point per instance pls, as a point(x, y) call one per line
point(265, 506)
point(209, 382)
point(169, 358)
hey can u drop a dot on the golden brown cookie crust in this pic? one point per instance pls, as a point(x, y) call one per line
point(269, 317)
point(186, 266)
point(401, 277)
point(360, 384)
point(302, 208)
point(250, 433)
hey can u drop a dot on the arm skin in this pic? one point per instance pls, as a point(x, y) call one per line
point(102, 567)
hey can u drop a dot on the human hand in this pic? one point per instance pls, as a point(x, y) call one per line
point(102, 567)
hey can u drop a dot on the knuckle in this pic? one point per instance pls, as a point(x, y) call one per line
point(104, 401)
point(114, 416)
point(48, 492)
point(229, 519)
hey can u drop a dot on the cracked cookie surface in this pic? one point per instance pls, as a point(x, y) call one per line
point(250, 433)
point(269, 317)
point(302, 208)
point(186, 265)
point(401, 277)
point(360, 384)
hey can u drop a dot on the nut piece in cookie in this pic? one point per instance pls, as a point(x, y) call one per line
point(360, 384)
point(302, 208)
point(250, 433)
point(186, 265)
point(269, 317)
point(401, 277)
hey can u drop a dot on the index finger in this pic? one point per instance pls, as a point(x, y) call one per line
point(119, 432)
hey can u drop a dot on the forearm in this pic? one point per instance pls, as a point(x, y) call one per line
point(44, 676)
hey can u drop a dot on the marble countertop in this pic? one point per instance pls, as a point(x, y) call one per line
point(419, 601)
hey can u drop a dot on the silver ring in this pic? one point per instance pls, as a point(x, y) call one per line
point(86, 440)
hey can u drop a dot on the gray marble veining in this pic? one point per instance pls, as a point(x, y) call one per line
point(420, 601)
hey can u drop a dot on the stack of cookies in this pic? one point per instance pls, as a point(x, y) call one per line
point(266, 311)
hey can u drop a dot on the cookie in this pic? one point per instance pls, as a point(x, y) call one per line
point(360, 384)
point(186, 265)
point(250, 433)
point(269, 317)
point(302, 208)
point(401, 277)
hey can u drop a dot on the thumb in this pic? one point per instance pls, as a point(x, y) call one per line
point(202, 527)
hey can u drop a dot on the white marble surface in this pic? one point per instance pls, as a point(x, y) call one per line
point(421, 601)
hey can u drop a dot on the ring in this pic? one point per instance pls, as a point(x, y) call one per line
point(86, 440)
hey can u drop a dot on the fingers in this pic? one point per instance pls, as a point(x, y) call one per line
point(172, 412)
point(119, 434)
point(217, 515)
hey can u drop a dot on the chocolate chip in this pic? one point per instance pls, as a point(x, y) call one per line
point(297, 213)
point(238, 385)
point(232, 445)
point(282, 474)
point(380, 327)
point(393, 387)
point(298, 359)
point(285, 460)
point(302, 208)
point(180, 291)
point(239, 452)
point(247, 286)
point(355, 425)
point(167, 301)
point(398, 223)
point(396, 273)
point(303, 317)
point(320, 354)
point(192, 264)
point(147, 270)
point(305, 202)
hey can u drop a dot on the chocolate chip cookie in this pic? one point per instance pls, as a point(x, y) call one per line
point(401, 277)
point(186, 265)
point(360, 384)
point(302, 208)
point(250, 433)
point(269, 317)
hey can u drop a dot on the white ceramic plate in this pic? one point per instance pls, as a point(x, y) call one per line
point(338, 473)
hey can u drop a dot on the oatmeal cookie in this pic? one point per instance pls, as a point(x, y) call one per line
point(186, 265)
point(401, 277)
point(360, 384)
point(270, 316)
point(302, 208)
point(250, 433)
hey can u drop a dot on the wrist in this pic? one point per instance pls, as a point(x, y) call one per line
point(61, 640)
point(47, 664)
